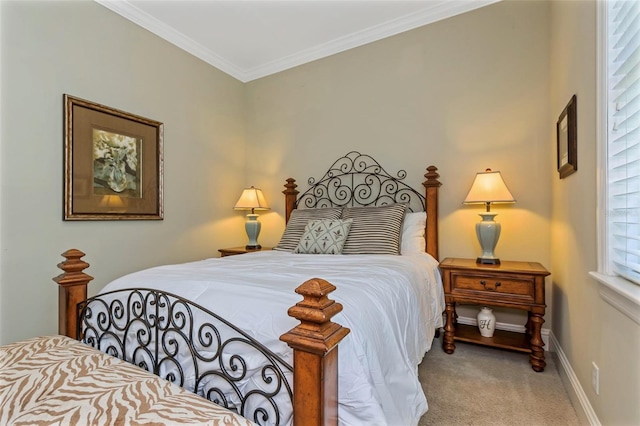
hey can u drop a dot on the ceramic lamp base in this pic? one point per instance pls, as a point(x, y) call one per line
point(488, 232)
point(252, 226)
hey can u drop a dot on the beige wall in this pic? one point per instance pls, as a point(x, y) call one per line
point(587, 328)
point(83, 49)
point(464, 94)
point(479, 90)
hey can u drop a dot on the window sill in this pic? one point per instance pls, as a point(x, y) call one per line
point(620, 293)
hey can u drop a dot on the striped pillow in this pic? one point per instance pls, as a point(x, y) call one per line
point(298, 221)
point(375, 230)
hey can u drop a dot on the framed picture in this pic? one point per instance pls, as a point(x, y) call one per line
point(567, 131)
point(112, 163)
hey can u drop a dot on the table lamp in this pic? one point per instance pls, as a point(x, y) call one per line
point(252, 199)
point(488, 187)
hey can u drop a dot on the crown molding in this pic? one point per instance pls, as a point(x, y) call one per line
point(159, 28)
point(437, 11)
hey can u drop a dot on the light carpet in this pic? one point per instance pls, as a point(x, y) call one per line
point(479, 386)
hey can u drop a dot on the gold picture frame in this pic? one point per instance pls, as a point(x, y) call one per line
point(567, 129)
point(113, 163)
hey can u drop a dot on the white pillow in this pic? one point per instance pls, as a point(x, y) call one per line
point(412, 240)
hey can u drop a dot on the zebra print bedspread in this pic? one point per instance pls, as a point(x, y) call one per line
point(56, 380)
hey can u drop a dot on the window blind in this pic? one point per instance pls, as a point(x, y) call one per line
point(623, 147)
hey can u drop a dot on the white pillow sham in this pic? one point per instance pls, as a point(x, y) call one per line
point(412, 240)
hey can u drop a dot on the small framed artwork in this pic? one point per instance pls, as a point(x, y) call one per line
point(567, 133)
point(112, 163)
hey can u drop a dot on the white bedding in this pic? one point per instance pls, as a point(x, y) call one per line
point(392, 304)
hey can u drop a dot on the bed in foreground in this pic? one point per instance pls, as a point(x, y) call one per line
point(390, 287)
point(56, 380)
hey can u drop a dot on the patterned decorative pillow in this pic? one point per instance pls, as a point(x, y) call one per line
point(324, 236)
point(375, 230)
point(298, 221)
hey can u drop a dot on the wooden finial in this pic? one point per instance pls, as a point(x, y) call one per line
point(315, 333)
point(290, 187)
point(72, 268)
point(71, 291)
point(315, 355)
point(432, 177)
point(291, 195)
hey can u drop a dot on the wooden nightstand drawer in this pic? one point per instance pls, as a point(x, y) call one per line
point(506, 285)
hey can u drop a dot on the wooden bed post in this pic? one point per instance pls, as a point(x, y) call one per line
point(73, 290)
point(432, 184)
point(315, 355)
point(291, 194)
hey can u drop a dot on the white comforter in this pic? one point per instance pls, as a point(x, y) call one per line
point(392, 304)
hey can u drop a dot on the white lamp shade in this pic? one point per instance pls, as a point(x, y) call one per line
point(252, 199)
point(489, 187)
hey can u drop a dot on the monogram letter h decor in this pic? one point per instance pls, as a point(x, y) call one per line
point(486, 322)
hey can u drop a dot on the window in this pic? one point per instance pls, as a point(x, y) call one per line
point(619, 155)
point(623, 137)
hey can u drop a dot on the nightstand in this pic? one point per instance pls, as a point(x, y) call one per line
point(517, 285)
point(232, 251)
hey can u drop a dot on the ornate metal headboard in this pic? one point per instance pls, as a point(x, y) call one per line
point(359, 180)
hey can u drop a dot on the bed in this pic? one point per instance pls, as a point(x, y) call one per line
point(56, 380)
point(216, 326)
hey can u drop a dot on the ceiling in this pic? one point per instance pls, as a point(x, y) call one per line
point(252, 39)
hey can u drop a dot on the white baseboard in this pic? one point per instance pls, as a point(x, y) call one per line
point(572, 385)
point(508, 327)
